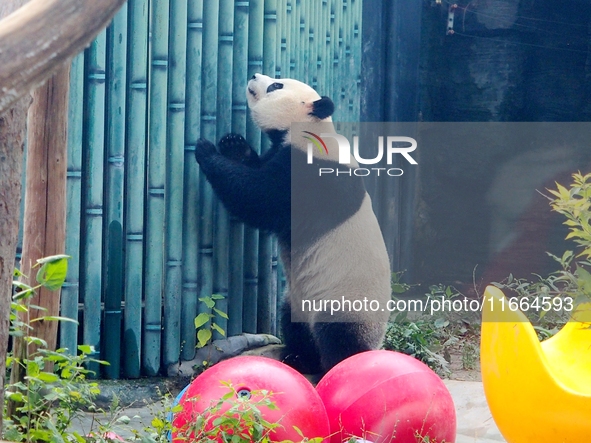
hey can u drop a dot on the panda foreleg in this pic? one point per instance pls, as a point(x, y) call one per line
point(260, 197)
point(300, 350)
point(338, 341)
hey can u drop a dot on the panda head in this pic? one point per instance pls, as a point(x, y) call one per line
point(277, 103)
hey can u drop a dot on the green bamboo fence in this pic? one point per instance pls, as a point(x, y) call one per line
point(146, 233)
point(136, 337)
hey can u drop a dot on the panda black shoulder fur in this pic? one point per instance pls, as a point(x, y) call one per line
point(340, 250)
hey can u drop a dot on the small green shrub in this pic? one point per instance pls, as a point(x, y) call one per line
point(572, 281)
point(420, 339)
point(45, 403)
point(205, 326)
point(425, 337)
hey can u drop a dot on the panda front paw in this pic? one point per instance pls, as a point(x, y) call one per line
point(204, 149)
point(236, 148)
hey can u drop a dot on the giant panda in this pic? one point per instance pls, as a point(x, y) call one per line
point(339, 252)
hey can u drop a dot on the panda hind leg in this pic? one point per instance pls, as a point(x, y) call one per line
point(236, 148)
point(338, 341)
point(300, 350)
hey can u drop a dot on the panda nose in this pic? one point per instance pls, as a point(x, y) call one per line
point(254, 76)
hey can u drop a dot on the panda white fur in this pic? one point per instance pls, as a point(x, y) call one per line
point(339, 251)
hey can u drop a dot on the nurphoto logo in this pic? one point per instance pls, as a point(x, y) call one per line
point(394, 145)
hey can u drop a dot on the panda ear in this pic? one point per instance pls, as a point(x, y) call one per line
point(322, 108)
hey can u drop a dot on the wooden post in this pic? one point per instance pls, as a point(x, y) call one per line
point(45, 205)
point(45, 193)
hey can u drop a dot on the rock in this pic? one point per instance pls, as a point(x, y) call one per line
point(221, 350)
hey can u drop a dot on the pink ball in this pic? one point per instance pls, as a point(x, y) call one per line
point(378, 395)
point(297, 402)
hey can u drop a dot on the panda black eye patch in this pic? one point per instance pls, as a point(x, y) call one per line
point(274, 86)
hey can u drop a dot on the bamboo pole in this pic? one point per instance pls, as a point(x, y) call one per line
point(313, 43)
point(208, 131)
point(136, 118)
point(267, 292)
point(236, 260)
point(282, 70)
point(288, 70)
point(175, 154)
point(70, 288)
point(158, 75)
point(253, 136)
point(324, 42)
point(115, 188)
point(223, 126)
point(280, 12)
point(337, 55)
point(92, 283)
point(305, 41)
point(192, 203)
point(296, 15)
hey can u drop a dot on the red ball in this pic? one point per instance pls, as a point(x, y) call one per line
point(297, 402)
point(378, 395)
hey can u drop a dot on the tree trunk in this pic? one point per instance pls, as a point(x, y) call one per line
point(12, 138)
point(64, 28)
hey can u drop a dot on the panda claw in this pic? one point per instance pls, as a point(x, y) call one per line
point(236, 148)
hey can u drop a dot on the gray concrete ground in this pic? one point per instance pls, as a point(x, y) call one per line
point(475, 424)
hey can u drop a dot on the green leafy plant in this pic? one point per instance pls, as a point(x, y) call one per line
point(49, 402)
point(420, 339)
point(575, 204)
point(205, 325)
point(572, 281)
point(204, 322)
point(235, 418)
point(45, 402)
point(397, 285)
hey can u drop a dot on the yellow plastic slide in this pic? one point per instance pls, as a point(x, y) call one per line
point(537, 392)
